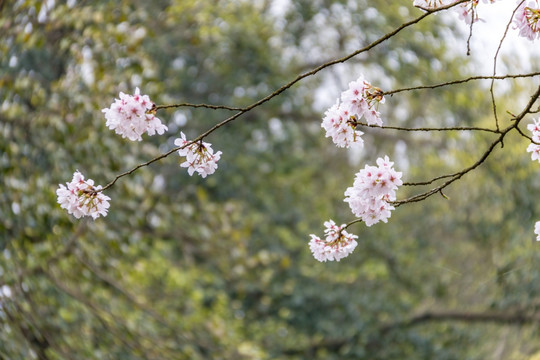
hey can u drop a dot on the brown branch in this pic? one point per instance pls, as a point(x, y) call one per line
point(458, 175)
point(284, 88)
point(207, 106)
point(470, 30)
point(461, 81)
point(518, 318)
point(459, 128)
point(352, 223)
point(428, 181)
point(514, 318)
point(526, 136)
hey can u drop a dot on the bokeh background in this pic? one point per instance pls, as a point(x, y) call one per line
point(219, 268)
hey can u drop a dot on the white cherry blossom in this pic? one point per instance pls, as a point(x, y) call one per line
point(527, 20)
point(132, 115)
point(81, 198)
point(340, 127)
point(373, 189)
point(336, 245)
point(361, 99)
point(200, 156)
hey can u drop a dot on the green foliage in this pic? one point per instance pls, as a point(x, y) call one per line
point(219, 268)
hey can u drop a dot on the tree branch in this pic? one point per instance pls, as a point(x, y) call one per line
point(282, 89)
point(458, 175)
point(461, 81)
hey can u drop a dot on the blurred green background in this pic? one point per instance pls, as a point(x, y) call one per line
point(219, 268)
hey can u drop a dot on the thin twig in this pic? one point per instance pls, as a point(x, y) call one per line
point(352, 223)
point(470, 30)
point(207, 106)
point(429, 181)
point(461, 81)
point(493, 103)
point(526, 136)
point(459, 128)
point(284, 88)
point(483, 158)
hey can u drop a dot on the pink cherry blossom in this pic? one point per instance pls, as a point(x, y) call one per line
point(82, 198)
point(336, 245)
point(200, 156)
point(373, 189)
point(467, 11)
point(132, 115)
point(361, 99)
point(341, 128)
point(527, 20)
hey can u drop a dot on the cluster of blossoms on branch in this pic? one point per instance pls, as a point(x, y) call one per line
point(82, 198)
point(131, 116)
point(373, 190)
point(361, 99)
point(336, 245)
point(375, 187)
point(370, 200)
point(200, 156)
point(526, 19)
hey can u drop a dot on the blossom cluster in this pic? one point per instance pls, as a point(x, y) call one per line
point(527, 20)
point(340, 121)
point(132, 115)
point(200, 156)
point(82, 198)
point(336, 245)
point(533, 148)
point(373, 189)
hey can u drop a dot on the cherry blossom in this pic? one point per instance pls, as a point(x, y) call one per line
point(132, 115)
point(430, 4)
point(373, 189)
point(527, 20)
point(337, 244)
point(534, 148)
point(339, 126)
point(82, 198)
point(361, 99)
point(467, 10)
point(200, 156)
